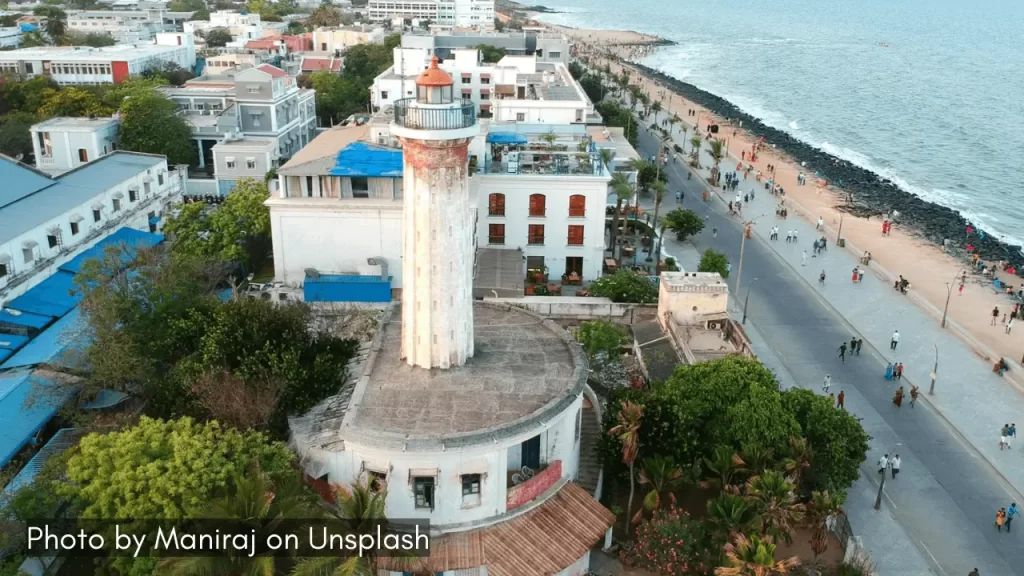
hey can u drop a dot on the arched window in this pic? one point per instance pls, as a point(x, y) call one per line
point(537, 204)
point(577, 206)
point(496, 205)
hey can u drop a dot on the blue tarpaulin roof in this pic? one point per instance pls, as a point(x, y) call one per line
point(24, 319)
point(26, 27)
point(5, 354)
point(21, 422)
point(506, 138)
point(51, 297)
point(9, 343)
point(361, 159)
point(61, 441)
point(128, 236)
point(58, 345)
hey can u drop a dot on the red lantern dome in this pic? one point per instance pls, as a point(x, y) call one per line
point(434, 76)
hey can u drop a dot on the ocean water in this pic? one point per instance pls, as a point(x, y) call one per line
point(940, 110)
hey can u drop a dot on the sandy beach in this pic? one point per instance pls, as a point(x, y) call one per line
point(903, 252)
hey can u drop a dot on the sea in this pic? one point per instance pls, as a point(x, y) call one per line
point(927, 93)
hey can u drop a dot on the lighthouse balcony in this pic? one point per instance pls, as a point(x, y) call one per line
point(418, 116)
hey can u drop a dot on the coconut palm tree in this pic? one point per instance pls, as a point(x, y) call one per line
point(56, 25)
point(695, 143)
point(756, 458)
point(820, 508)
point(659, 195)
point(731, 514)
point(662, 475)
point(254, 499)
point(798, 459)
point(628, 433)
point(754, 557)
point(655, 109)
point(635, 94)
point(623, 191)
point(716, 148)
point(776, 504)
point(643, 167)
point(722, 467)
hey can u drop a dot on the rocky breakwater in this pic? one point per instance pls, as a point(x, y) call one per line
point(869, 193)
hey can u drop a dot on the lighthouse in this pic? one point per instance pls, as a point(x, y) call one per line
point(435, 129)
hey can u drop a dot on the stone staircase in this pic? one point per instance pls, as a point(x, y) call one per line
point(590, 434)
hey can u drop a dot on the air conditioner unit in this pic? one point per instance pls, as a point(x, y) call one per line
point(715, 325)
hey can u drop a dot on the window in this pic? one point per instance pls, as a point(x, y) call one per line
point(485, 96)
point(132, 194)
point(470, 490)
point(485, 79)
point(230, 163)
point(27, 254)
point(51, 240)
point(554, 54)
point(536, 235)
point(496, 205)
point(250, 163)
point(45, 147)
point(74, 228)
point(360, 187)
point(96, 215)
point(423, 488)
point(3, 270)
point(383, 94)
point(254, 89)
point(520, 116)
point(117, 205)
point(537, 204)
point(575, 235)
point(255, 120)
point(495, 233)
point(160, 179)
point(577, 206)
point(83, 155)
point(467, 79)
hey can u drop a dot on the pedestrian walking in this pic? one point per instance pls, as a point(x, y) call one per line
point(894, 465)
point(895, 340)
point(853, 346)
point(860, 341)
point(827, 383)
point(897, 398)
point(1000, 519)
point(1011, 513)
point(995, 315)
point(840, 399)
point(913, 395)
point(714, 232)
point(883, 463)
point(794, 235)
point(888, 372)
point(899, 371)
point(821, 223)
point(1004, 437)
point(1009, 325)
point(842, 352)
point(789, 235)
point(1013, 431)
point(803, 262)
point(974, 573)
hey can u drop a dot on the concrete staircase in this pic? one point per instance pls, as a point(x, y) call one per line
point(590, 434)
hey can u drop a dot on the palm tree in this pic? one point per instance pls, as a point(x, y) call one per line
point(256, 500)
point(56, 25)
point(798, 459)
point(820, 508)
point(662, 475)
point(716, 148)
point(623, 191)
point(754, 557)
point(776, 503)
point(659, 195)
point(756, 458)
point(642, 167)
point(722, 467)
point(655, 108)
point(695, 143)
point(362, 508)
point(549, 138)
point(731, 513)
point(675, 119)
point(628, 433)
point(635, 93)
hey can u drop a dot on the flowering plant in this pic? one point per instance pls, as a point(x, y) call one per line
point(672, 543)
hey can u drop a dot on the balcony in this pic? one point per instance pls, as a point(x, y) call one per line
point(459, 115)
point(529, 490)
point(548, 163)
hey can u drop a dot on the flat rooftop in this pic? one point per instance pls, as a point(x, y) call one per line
point(524, 368)
point(84, 54)
point(69, 123)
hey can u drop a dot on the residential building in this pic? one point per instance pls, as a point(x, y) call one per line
point(230, 61)
point(480, 438)
point(242, 26)
point(315, 62)
point(126, 26)
point(46, 221)
point(62, 144)
point(94, 66)
point(242, 158)
point(262, 103)
point(280, 45)
point(462, 13)
point(548, 47)
point(10, 37)
point(341, 38)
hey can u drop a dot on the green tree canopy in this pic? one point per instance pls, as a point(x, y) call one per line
point(72, 101)
point(491, 54)
point(683, 223)
point(325, 15)
point(714, 261)
point(91, 39)
point(150, 123)
point(601, 340)
point(836, 437)
point(15, 137)
point(217, 37)
point(625, 286)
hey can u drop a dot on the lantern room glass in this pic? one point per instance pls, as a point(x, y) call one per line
point(434, 94)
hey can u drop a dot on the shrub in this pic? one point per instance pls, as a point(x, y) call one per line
point(672, 543)
point(713, 261)
point(625, 286)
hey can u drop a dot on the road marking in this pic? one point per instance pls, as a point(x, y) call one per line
point(932, 556)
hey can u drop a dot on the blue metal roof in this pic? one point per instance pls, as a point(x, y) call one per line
point(506, 138)
point(10, 343)
point(31, 199)
point(5, 354)
point(61, 441)
point(21, 422)
point(105, 399)
point(51, 297)
point(128, 236)
point(25, 319)
point(362, 159)
point(58, 345)
point(26, 27)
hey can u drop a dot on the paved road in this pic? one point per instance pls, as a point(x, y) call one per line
point(947, 494)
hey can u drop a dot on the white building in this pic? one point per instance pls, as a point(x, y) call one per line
point(462, 13)
point(127, 27)
point(341, 38)
point(46, 221)
point(481, 445)
point(243, 27)
point(548, 47)
point(62, 144)
point(10, 37)
point(232, 61)
point(93, 66)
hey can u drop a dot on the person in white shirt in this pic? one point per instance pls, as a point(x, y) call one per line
point(827, 383)
point(794, 235)
point(803, 262)
point(895, 340)
point(821, 223)
point(894, 464)
point(883, 463)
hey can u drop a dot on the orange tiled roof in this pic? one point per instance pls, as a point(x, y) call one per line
point(434, 76)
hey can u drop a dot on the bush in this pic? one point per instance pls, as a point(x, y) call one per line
point(714, 261)
point(673, 543)
point(683, 223)
point(626, 286)
point(602, 341)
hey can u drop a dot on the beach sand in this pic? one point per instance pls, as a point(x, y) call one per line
point(925, 265)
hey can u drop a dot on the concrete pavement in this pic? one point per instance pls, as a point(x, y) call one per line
point(946, 496)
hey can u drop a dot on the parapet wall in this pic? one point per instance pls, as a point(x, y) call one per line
point(583, 308)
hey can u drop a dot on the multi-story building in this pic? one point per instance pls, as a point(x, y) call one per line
point(262, 103)
point(515, 89)
point(10, 37)
point(548, 47)
point(230, 61)
point(340, 39)
point(234, 159)
point(126, 26)
point(62, 144)
point(462, 13)
point(46, 221)
point(242, 26)
point(94, 66)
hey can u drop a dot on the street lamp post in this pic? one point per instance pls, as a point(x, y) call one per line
point(878, 499)
point(949, 293)
point(743, 243)
point(935, 371)
point(746, 300)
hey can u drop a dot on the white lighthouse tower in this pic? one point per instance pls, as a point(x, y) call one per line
point(437, 269)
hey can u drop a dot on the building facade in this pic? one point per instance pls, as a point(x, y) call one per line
point(341, 38)
point(242, 158)
point(548, 47)
point(242, 26)
point(462, 13)
point(62, 144)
